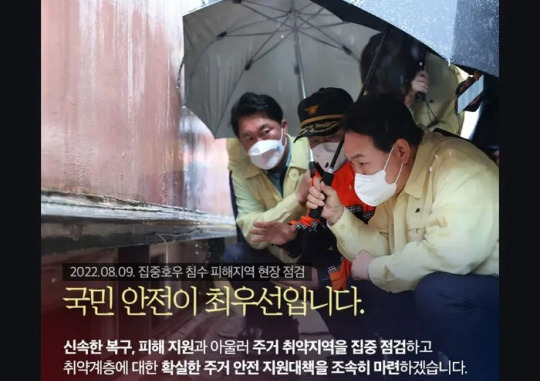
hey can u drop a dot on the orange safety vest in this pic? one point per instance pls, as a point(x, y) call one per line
point(343, 184)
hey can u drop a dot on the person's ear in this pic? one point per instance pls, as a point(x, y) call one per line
point(403, 150)
point(285, 126)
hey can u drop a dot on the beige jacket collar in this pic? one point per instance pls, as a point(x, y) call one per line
point(422, 163)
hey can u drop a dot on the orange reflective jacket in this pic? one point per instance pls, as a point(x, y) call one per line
point(317, 238)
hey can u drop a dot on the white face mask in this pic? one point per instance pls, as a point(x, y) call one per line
point(324, 153)
point(373, 189)
point(266, 154)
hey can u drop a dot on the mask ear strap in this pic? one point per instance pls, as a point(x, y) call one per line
point(281, 137)
point(399, 173)
point(388, 158)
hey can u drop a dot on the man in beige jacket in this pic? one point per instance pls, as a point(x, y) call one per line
point(270, 182)
point(429, 257)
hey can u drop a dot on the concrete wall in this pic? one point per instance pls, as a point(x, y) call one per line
point(112, 121)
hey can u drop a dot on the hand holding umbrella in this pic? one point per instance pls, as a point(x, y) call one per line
point(325, 197)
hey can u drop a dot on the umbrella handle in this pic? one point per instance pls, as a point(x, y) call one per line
point(375, 61)
point(327, 179)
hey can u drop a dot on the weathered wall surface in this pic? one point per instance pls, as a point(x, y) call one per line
point(111, 112)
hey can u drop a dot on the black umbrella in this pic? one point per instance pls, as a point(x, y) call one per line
point(464, 32)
